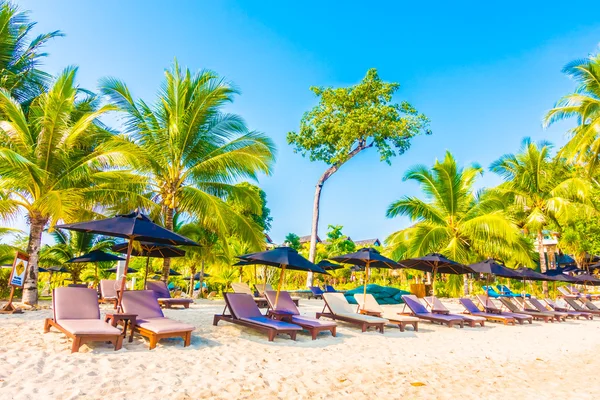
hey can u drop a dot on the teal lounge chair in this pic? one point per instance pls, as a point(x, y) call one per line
point(491, 292)
point(505, 290)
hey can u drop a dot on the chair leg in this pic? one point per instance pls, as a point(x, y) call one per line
point(153, 341)
point(187, 339)
point(47, 325)
point(119, 343)
point(271, 335)
point(76, 344)
point(401, 326)
point(293, 335)
point(333, 331)
point(314, 334)
point(416, 326)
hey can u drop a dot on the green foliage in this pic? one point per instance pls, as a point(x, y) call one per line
point(246, 208)
point(542, 190)
point(20, 58)
point(581, 237)
point(292, 240)
point(359, 116)
point(338, 243)
point(584, 105)
point(453, 219)
point(194, 152)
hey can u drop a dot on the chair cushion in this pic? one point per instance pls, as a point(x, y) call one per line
point(143, 303)
point(174, 301)
point(397, 317)
point(242, 305)
point(364, 318)
point(159, 288)
point(75, 303)
point(312, 322)
point(88, 327)
point(108, 288)
point(337, 303)
point(271, 323)
point(284, 303)
point(164, 325)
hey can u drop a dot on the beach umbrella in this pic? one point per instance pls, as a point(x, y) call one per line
point(491, 266)
point(133, 227)
point(196, 276)
point(368, 258)
point(284, 258)
point(129, 270)
point(587, 279)
point(531, 275)
point(95, 256)
point(436, 263)
point(150, 249)
point(329, 266)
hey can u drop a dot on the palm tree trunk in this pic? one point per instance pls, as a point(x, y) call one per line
point(312, 254)
point(30, 292)
point(543, 268)
point(192, 273)
point(167, 261)
point(202, 276)
point(466, 285)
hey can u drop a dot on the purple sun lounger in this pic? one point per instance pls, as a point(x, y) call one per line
point(570, 314)
point(419, 311)
point(472, 309)
point(287, 311)
point(316, 291)
point(77, 315)
point(163, 295)
point(490, 307)
point(245, 312)
point(150, 321)
point(437, 307)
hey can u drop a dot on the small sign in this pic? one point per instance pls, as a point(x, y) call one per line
point(19, 270)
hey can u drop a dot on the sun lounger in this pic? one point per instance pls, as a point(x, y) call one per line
point(491, 292)
point(369, 306)
point(566, 293)
point(437, 307)
point(589, 305)
point(558, 315)
point(316, 291)
point(245, 312)
point(576, 292)
point(505, 290)
point(472, 309)
point(108, 291)
point(240, 287)
point(339, 309)
point(577, 307)
point(419, 311)
point(570, 314)
point(150, 320)
point(329, 289)
point(261, 288)
point(512, 307)
point(286, 310)
point(489, 306)
point(77, 315)
point(163, 295)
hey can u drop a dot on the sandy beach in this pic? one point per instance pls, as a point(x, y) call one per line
point(553, 360)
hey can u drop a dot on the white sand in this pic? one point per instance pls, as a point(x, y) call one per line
point(496, 362)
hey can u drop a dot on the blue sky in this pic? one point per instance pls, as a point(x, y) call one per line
point(485, 75)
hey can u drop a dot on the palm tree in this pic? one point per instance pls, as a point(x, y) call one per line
point(56, 162)
point(195, 152)
point(69, 245)
point(20, 58)
point(583, 104)
point(543, 190)
point(453, 219)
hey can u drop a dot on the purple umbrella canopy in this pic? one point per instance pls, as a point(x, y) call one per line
point(95, 256)
point(491, 266)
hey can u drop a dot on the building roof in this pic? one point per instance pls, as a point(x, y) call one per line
point(367, 242)
point(306, 239)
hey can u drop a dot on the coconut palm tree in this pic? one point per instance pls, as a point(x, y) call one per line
point(20, 58)
point(56, 162)
point(71, 244)
point(584, 105)
point(194, 152)
point(452, 219)
point(543, 190)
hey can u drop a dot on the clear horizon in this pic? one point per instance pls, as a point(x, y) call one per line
point(484, 77)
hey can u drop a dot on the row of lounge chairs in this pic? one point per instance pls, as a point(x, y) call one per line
point(261, 289)
point(77, 315)
point(108, 293)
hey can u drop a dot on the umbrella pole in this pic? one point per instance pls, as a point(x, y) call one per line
point(129, 248)
point(265, 274)
point(279, 285)
point(146, 274)
point(366, 281)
